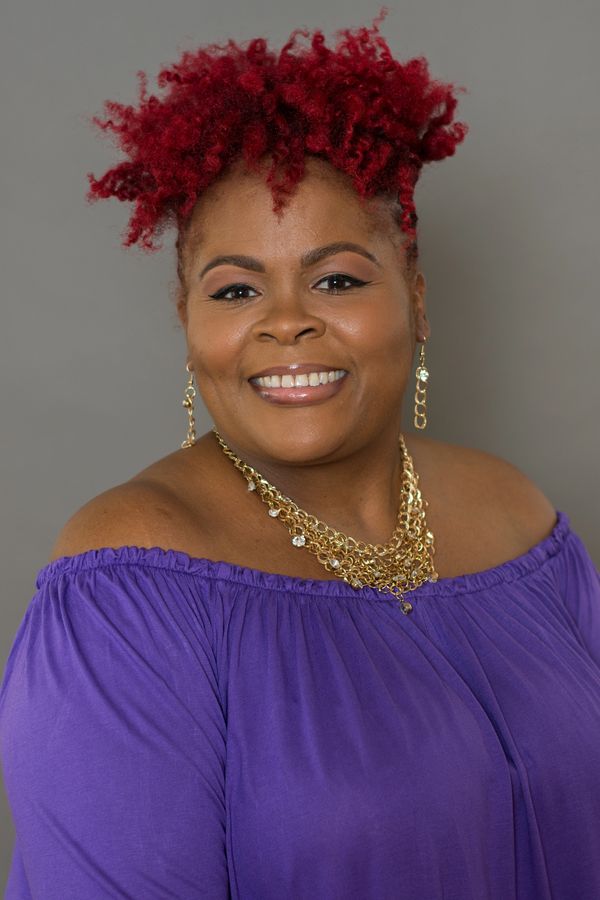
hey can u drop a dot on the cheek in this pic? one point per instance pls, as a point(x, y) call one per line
point(216, 346)
point(386, 336)
point(383, 350)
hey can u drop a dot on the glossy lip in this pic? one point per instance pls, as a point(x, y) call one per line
point(299, 396)
point(296, 369)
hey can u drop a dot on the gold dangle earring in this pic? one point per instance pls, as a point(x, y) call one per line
point(422, 374)
point(188, 402)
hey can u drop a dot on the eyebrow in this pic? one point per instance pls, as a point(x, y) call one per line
point(310, 258)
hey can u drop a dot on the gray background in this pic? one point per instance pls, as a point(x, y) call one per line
point(92, 357)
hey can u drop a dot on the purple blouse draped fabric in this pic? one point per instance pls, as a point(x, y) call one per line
point(178, 727)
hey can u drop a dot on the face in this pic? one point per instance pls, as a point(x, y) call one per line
point(356, 309)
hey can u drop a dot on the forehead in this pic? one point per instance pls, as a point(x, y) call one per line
point(324, 206)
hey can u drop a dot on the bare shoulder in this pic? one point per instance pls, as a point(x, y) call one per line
point(472, 492)
point(138, 512)
point(171, 503)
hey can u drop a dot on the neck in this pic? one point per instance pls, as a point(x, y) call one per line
point(358, 494)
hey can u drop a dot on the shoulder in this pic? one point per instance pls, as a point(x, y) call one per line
point(474, 492)
point(500, 485)
point(165, 504)
point(143, 513)
point(170, 504)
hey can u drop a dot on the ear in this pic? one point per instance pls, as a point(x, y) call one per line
point(418, 291)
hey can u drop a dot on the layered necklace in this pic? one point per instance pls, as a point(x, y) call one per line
point(397, 567)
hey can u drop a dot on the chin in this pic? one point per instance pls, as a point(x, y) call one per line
point(299, 445)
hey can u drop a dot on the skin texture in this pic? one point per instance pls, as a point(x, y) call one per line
point(338, 459)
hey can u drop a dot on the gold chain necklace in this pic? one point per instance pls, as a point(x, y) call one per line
point(401, 565)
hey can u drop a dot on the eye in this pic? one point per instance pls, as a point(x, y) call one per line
point(337, 276)
point(222, 294)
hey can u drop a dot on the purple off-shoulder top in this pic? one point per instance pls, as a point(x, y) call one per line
point(178, 727)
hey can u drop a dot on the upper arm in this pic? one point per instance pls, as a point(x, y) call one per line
point(138, 513)
point(113, 739)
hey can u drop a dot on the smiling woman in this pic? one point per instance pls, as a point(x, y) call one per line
point(305, 654)
point(323, 289)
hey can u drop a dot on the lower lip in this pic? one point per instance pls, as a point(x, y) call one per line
point(299, 396)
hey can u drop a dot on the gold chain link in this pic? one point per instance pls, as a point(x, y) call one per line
point(188, 402)
point(398, 566)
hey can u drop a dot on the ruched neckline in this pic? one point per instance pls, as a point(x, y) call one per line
point(245, 733)
point(180, 561)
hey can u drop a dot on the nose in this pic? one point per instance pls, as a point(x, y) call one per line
point(286, 319)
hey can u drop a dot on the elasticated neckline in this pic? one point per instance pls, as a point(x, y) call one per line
point(179, 561)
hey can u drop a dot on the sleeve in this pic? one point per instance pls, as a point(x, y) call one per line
point(580, 587)
point(112, 741)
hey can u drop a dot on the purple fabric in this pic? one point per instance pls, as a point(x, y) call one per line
point(176, 727)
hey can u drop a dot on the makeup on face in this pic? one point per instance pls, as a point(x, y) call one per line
point(300, 310)
point(298, 384)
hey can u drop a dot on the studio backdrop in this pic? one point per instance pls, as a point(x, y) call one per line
point(92, 354)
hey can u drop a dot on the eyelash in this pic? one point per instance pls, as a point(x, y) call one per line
point(354, 282)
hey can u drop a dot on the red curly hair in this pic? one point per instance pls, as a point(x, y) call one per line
point(372, 117)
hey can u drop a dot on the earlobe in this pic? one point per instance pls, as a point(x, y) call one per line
point(420, 285)
point(423, 329)
point(419, 290)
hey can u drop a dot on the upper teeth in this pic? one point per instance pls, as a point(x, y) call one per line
point(310, 378)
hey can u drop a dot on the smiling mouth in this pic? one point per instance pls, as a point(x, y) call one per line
point(298, 394)
point(305, 379)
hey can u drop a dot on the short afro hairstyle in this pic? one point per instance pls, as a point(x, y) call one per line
point(374, 118)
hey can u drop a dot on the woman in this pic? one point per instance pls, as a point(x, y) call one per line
point(221, 688)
